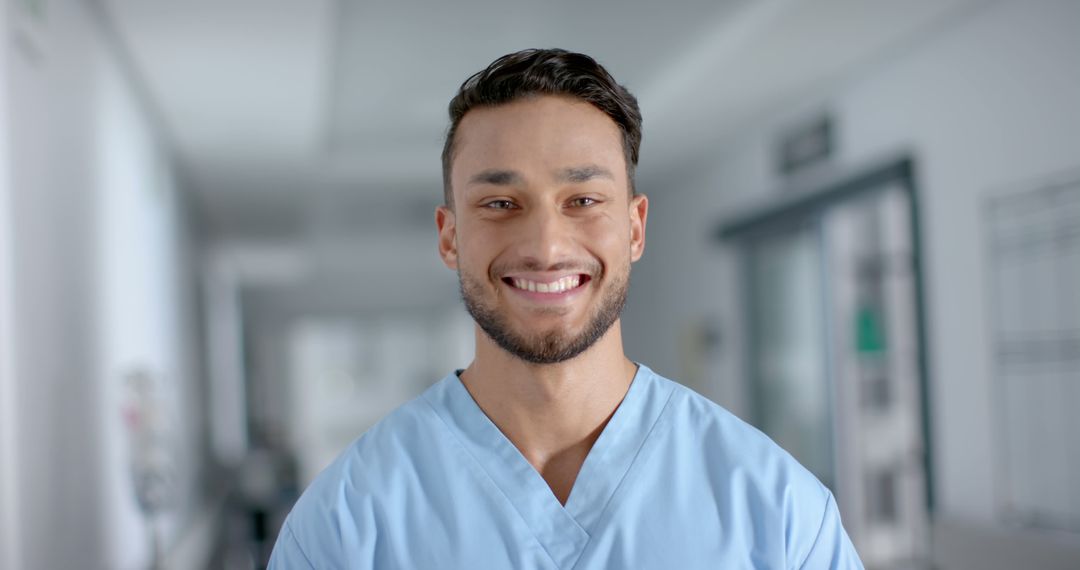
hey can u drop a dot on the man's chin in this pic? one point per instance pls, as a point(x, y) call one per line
point(545, 352)
point(546, 328)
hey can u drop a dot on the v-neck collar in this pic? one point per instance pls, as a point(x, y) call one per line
point(563, 531)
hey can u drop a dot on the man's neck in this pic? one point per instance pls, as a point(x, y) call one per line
point(553, 413)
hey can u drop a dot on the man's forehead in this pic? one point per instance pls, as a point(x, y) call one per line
point(566, 132)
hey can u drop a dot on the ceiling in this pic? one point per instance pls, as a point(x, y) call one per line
point(283, 111)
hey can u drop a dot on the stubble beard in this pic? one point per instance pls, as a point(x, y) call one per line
point(546, 347)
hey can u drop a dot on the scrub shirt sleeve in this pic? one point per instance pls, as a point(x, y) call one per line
point(832, 548)
point(288, 554)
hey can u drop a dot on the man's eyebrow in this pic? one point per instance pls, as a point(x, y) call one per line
point(496, 177)
point(578, 174)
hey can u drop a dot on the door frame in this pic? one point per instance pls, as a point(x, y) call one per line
point(809, 202)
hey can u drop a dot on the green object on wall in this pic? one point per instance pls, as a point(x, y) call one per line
point(869, 330)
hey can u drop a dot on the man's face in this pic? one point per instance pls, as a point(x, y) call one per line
point(543, 229)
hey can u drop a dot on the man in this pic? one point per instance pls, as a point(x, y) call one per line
point(552, 449)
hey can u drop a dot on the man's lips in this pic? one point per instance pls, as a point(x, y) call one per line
point(551, 285)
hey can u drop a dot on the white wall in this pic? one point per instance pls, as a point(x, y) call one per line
point(9, 524)
point(101, 286)
point(147, 304)
point(56, 439)
point(985, 104)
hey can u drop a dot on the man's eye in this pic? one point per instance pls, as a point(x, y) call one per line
point(583, 202)
point(499, 205)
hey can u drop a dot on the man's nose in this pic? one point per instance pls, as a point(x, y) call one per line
point(546, 237)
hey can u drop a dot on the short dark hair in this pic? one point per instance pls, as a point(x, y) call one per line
point(546, 72)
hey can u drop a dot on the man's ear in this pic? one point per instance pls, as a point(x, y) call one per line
point(446, 222)
point(639, 212)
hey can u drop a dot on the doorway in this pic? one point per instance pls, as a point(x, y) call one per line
point(835, 353)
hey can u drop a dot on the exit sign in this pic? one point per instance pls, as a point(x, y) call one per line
point(807, 144)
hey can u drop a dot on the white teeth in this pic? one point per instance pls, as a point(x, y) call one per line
point(563, 284)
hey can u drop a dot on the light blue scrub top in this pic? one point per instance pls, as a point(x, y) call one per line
point(674, 481)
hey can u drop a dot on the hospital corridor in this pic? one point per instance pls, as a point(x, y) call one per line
point(219, 259)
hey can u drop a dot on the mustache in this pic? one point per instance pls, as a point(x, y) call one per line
point(589, 267)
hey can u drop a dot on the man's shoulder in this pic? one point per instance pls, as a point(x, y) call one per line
point(375, 460)
point(746, 466)
point(689, 411)
point(337, 516)
point(732, 445)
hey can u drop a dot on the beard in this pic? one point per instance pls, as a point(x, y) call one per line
point(546, 347)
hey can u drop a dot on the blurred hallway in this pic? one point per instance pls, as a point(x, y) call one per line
point(218, 262)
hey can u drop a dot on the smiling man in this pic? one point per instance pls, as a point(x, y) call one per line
point(552, 449)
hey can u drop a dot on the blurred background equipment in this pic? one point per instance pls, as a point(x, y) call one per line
point(150, 452)
point(236, 198)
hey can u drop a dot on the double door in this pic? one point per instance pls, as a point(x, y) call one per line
point(835, 358)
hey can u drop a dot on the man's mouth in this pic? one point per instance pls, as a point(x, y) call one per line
point(560, 285)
